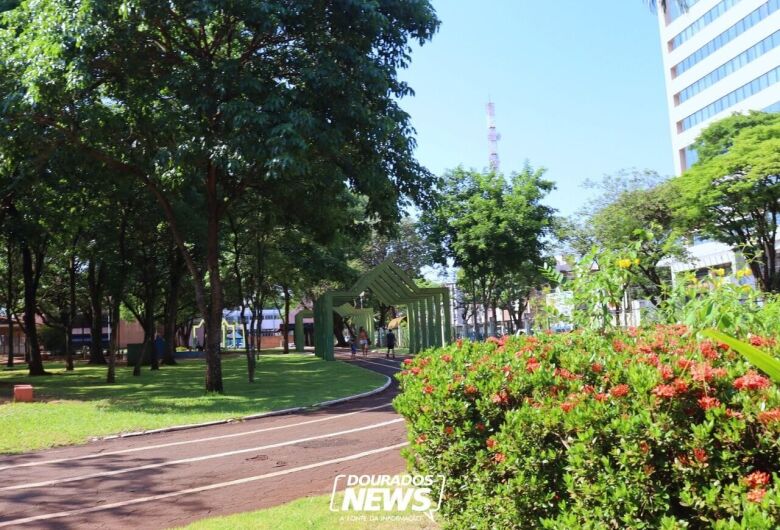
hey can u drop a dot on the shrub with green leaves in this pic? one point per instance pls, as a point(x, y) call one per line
point(638, 429)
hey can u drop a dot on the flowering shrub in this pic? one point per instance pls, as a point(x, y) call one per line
point(642, 429)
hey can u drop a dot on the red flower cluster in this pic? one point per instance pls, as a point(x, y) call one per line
point(708, 402)
point(619, 391)
point(491, 443)
point(702, 372)
point(757, 478)
point(532, 365)
point(769, 416)
point(708, 350)
point(500, 398)
point(666, 372)
point(664, 391)
point(700, 455)
point(428, 389)
point(756, 495)
point(751, 381)
point(565, 374)
point(758, 340)
point(446, 358)
point(596, 368)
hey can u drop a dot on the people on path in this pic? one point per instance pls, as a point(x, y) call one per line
point(363, 340)
point(353, 346)
point(390, 338)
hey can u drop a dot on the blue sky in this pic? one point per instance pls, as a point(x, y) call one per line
point(578, 87)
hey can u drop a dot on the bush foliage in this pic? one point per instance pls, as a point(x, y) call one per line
point(638, 429)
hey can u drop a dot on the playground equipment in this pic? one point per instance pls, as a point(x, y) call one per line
point(427, 310)
point(232, 334)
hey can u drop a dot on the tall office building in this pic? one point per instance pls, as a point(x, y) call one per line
point(720, 57)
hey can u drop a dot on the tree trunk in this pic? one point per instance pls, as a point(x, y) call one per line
point(31, 275)
point(96, 275)
point(150, 326)
point(286, 322)
point(113, 345)
point(213, 313)
point(474, 303)
point(172, 307)
point(10, 303)
point(71, 312)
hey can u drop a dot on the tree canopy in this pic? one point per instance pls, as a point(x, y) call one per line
point(733, 192)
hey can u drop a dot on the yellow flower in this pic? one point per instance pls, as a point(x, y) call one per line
point(718, 272)
point(636, 261)
point(624, 263)
point(741, 273)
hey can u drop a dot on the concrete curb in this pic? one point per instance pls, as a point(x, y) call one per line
point(280, 412)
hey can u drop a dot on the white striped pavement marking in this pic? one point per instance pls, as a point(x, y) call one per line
point(194, 459)
point(185, 442)
point(82, 511)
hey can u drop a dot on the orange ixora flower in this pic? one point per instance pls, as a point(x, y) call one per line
point(757, 478)
point(769, 416)
point(756, 495)
point(708, 402)
point(751, 381)
point(619, 391)
point(664, 391)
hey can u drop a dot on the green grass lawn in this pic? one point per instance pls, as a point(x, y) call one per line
point(313, 513)
point(75, 406)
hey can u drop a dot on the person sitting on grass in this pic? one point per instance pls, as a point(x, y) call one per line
point(390, 337)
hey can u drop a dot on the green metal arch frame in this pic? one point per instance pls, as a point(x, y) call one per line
point(428, 310)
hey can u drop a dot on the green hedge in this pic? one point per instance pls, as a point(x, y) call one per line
point(647, 429)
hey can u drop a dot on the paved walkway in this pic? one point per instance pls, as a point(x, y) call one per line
point(170, 479)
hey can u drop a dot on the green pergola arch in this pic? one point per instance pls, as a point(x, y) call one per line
point(427, 310)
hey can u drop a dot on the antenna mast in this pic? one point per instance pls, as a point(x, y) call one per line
point(493, 136)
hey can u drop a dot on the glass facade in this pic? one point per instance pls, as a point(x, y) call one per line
point(674, 10)
point(752, 53)
point(775, 107)
point(702, 22)
point(732, 98)
point(727, 36)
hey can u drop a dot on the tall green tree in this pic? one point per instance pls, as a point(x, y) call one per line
point(732, 193)
point(226, 99)
point(632, 212)
point(490, 226)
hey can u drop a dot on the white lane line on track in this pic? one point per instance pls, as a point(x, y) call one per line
point(372, 362)
point(195, 458)
point(186, 442)
point(82, 511)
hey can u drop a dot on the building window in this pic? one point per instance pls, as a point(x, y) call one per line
point(729, 100)
point(701, 22)
point(727, 36)
point(752, 53)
